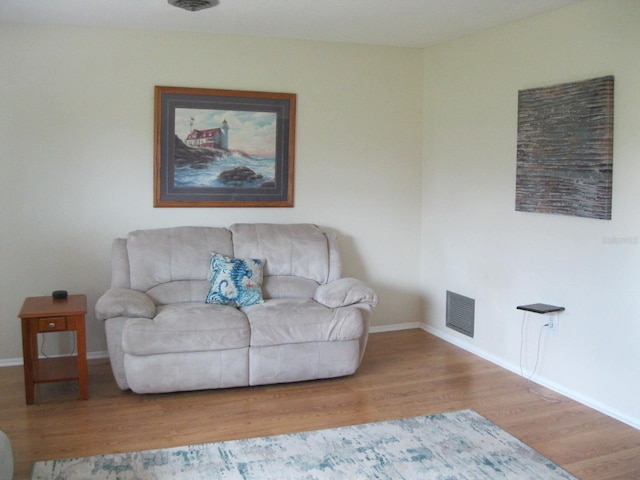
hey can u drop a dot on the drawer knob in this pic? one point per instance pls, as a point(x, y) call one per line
point(52, 324)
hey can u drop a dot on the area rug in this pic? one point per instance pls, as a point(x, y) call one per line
point(459, 445)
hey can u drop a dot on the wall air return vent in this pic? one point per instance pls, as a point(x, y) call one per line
point(460, 313)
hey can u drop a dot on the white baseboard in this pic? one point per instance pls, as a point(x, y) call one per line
point(10, 362)
point(97, 355)
point(16, 362)
point(395, 327)
point(589, 402)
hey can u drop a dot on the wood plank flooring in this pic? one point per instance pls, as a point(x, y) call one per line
point(405, 373)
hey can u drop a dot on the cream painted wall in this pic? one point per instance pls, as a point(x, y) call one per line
point(476, 244)
point(76, 159)
point(76, 155)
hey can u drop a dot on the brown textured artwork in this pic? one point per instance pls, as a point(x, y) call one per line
point(565, 149)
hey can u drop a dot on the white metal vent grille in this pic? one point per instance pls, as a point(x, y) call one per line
point(460, 313)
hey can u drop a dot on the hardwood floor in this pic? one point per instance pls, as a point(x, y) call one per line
point(405, 373)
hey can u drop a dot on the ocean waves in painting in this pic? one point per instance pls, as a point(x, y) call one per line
point(208, 175)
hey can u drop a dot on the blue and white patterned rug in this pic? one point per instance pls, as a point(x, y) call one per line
point(451, 446)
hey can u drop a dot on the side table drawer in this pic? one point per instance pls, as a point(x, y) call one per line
point(52, 324)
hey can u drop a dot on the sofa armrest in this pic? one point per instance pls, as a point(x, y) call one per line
point(344, 292)
point(6, 458)
point(123, 302)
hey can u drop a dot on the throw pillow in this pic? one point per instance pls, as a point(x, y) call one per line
point(235, 281)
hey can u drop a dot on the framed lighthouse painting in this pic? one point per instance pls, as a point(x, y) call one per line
point(223, 148)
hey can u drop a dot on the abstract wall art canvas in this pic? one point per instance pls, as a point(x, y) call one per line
point(565, 149)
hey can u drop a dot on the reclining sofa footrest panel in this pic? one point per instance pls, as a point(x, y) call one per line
point(297, 362)
point(176, 372)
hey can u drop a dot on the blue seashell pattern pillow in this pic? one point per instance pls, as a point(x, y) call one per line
point(235, 281)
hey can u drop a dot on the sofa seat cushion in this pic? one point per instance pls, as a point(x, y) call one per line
point(187, 327)
point(179, 291)
point(295, 320)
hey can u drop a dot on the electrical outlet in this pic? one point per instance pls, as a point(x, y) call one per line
point(553, 323)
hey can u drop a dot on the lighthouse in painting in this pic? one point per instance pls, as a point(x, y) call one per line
point(211, 138)
point(225, 135)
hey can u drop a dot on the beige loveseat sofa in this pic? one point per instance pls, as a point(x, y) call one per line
point(306, 323)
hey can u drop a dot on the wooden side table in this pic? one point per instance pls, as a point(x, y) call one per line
point(45, 314)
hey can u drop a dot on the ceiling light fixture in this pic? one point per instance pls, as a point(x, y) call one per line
point(193, 5)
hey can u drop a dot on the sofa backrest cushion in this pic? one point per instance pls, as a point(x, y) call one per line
point(175, 254)
point(297, 250)
point(276, 286)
